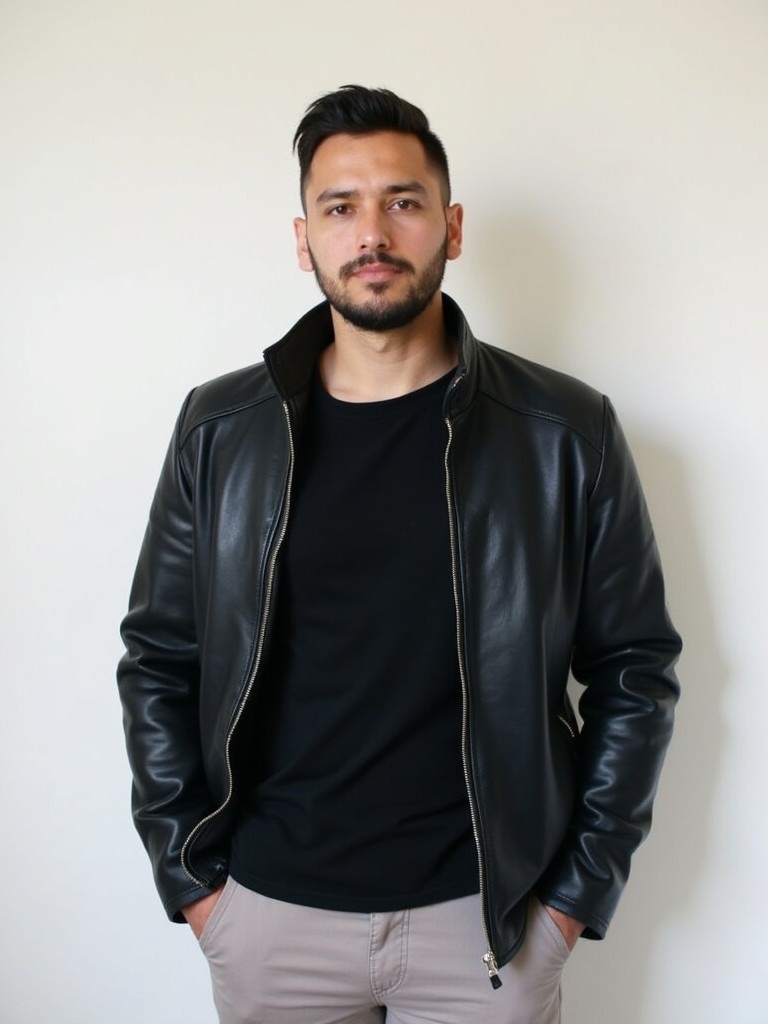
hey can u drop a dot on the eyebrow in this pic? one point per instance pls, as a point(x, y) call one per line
point(341, 194)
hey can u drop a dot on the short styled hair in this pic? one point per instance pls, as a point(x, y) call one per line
point(357, 110)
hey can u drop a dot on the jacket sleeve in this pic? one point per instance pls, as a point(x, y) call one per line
point(624, 655)
point(158, 680)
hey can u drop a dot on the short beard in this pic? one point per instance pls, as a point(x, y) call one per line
point(377, 314)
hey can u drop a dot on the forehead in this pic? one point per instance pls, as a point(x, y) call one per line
point(375, 161)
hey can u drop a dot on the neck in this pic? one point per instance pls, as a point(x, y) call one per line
point(372, 366)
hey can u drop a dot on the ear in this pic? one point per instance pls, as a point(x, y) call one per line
point(302, 248)
point(454, 217)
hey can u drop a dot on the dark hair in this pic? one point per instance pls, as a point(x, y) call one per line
point(356, 110)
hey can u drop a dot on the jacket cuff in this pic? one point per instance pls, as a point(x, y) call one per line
point(174, 905)
point(595, 926)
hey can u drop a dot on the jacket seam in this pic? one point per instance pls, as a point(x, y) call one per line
point(544, 415)
point(602, 449)
point(219, 413)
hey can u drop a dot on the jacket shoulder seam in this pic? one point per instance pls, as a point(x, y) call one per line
point(544, 414)
point(216, 414)
point(598, 473)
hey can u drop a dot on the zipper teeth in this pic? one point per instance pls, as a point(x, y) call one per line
point(490, 958)
point(256, 661)
point(568, 726)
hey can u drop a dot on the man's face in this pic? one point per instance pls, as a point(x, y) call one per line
point(377, 233)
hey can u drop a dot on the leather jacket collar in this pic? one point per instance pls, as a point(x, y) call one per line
point(292, 359)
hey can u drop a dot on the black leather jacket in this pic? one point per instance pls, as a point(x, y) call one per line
point(555, 568)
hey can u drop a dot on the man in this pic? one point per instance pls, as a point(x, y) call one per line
point(370, 564)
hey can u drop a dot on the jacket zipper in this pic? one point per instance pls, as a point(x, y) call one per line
point(489, 959)
point(256, 661)
point(564, 721)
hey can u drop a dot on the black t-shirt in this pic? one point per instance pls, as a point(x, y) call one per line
point(356, 797)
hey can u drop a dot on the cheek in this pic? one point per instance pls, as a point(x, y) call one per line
point(326, 250)
point(432, 237)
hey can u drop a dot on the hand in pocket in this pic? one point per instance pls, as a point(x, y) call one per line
point(197, 913)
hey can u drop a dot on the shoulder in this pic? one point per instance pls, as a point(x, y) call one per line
point(532, 390)
point(232, 394)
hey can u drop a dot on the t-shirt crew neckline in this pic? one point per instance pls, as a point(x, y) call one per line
point(384, 407)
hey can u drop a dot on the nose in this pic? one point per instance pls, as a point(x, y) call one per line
point(373, 231)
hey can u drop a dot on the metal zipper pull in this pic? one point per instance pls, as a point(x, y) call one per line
point(493, 971)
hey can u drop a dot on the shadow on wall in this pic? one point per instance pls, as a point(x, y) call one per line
point(608, 982)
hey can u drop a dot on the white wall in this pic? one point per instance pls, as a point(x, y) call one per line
point(612, 160)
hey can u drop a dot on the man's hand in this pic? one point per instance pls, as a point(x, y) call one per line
point(197, 913)
point(569, 927)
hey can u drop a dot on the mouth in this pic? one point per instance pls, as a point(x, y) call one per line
point(376, 272)
point(377, 269)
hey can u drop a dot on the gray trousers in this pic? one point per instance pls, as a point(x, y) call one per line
point(280, 963)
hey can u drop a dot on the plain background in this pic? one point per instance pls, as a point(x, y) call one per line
point(611, 157)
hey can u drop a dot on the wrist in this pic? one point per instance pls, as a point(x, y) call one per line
point(570, 928)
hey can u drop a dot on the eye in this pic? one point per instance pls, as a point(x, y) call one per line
point(339, 210)
point(404, 204)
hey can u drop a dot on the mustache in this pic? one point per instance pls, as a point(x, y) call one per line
point(370, 258)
